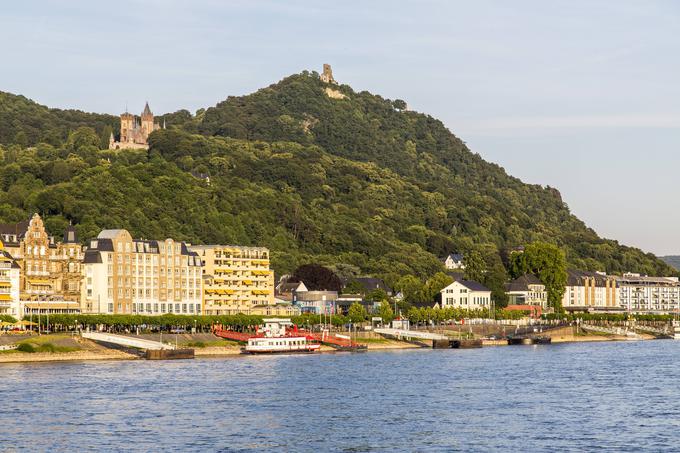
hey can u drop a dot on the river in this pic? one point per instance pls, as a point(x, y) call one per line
point(613, 396)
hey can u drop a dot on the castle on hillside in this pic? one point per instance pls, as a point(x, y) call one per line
point(134, 131)
point(327, 75)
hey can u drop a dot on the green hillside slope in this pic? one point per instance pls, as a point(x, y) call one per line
point(671, 260)
point(25, 122)
point(356, 182)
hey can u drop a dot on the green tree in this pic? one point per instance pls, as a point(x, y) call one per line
point(353, 287)
point(548, 263)
point(475, 267)
point(385, 312)
point(411, 288)
point(435, 284)
point(357, 313)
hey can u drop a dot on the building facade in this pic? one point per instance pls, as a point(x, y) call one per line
point(642, 294)
point(50, 273)
point(317, 302)
point(466, 294)
point(590, 291)
point(527, 290)
point(129, 276)
point(134, 131)
point(236, 279)
point(9, 285)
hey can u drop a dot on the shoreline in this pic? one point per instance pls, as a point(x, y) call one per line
point(106, 354)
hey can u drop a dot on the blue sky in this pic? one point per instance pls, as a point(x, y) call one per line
point(579, 95)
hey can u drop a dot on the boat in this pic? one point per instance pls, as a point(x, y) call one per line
point(276, 340)
point(285, 345)
point(676, 330)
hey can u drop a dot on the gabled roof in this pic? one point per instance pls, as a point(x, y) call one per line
point(473, 285)
point(577, 278)
point(522, 283)
point(18, 229)
point(457, 257)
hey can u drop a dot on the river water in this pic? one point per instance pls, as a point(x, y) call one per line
point(570, 397)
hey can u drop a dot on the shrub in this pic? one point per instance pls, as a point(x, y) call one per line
point(25, 347)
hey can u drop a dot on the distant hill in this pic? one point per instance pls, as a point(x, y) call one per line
point(350, 180)
point(671, 260)
point(25, 122)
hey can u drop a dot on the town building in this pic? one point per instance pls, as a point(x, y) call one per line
point(317, 302)
point(50, 275)
point(236, 279)
point(527, 290)
point(590, 291)
point(134, 131)
point(278, 309)
point(643, 294)
point(466, 294)
point(454, 261)
point(131, 276)
point(286, 289)
point(9, 285)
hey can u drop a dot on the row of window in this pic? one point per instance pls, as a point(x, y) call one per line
point(154, 308)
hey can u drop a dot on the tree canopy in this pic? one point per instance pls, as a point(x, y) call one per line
point(359, 184)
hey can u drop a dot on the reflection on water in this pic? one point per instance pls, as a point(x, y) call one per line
point(613, 396)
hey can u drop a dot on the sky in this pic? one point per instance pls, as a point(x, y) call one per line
point(581, 95)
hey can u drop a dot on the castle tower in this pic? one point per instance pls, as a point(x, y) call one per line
point(327, 75)
point(147, 122)
point(127, 125)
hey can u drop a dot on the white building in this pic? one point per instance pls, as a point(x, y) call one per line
point(454, 262)
point(642, 294)
point(10, 303)
point(466, 294)
point(126, 276)
point(589, 291)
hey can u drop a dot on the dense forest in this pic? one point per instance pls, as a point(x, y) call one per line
point(357, 183)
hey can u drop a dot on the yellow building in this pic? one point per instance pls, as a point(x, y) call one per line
point(50, 271)
point(235, 279)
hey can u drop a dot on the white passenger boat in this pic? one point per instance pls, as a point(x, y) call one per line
point(264, 345)
point(277, 340)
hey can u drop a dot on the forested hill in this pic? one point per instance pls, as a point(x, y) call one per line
point(671, 260)
point(317, 173)
point(25, 122)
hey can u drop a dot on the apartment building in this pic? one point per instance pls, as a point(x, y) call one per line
point(590, 291)
point(131, 276)
point(9, 285)
point(236, 279)
point(642, 294)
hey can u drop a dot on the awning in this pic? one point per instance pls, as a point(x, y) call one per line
point(5, 284)
point(5, 297)
point(53, 305)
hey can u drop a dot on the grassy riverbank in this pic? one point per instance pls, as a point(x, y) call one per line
point(57, 347)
